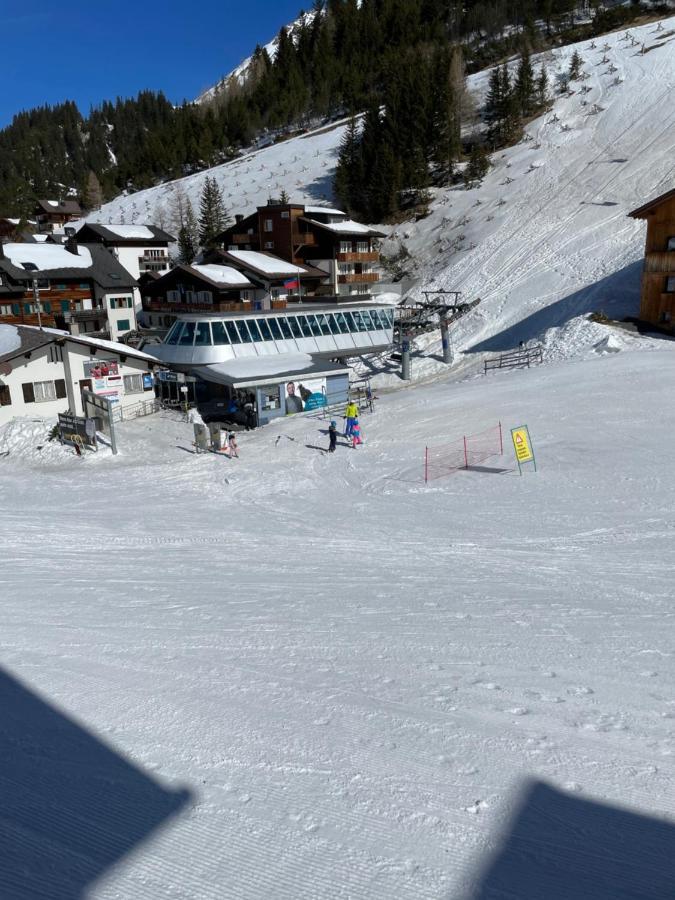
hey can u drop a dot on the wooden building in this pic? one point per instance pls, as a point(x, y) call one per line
point(316, 236)
point(657, 298)
point(51, 214)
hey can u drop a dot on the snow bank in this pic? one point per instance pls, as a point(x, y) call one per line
point(27, 440)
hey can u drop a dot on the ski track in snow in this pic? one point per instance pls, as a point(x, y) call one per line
point(355, 675)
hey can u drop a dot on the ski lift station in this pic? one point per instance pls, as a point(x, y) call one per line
point(282, 360)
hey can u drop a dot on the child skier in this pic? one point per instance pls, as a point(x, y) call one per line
point(232, 444)
point(356, 434)
point(332, 437)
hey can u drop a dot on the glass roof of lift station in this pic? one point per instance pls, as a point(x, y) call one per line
point(347, 330)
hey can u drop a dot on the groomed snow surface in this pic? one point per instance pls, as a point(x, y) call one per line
point(365, 687)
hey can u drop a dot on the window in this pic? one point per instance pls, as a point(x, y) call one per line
point(44, 391)
point(295, 327)
point(244, 333)
point(246, 295)
point(232, 247)
point(205, 297)
point(367, 321)
point(362, 247)
point(269, 225)
point(274, 293)
point(378, 321)
point(671, 243)
point(173, 296)
point(174, 331)
point(47, 306)
point(187, 335)
point(219, 333)
point(285, 214)
point(232, 333)
point(316, 331)
point(345, 268)
point(264, 329)
point(28, 308)
point(5, 310)
point(189, 296)
point(334, 327)
point(133, 384)
point(253, 328)
point(323, 324)
point(124, 325)
point(5, 396)
point(664, 318)
point(120, 303)
point(83, 286)
point(360, 322)
point(350, 322)
point(55, 353)
point(285, 328)
point(274, 328)
point(203, 335)
point(65, 306)
point(16, 309)
point(269, 245)
point(345, 246)
point(304, 324)
point(342, 323)
point(670, 284)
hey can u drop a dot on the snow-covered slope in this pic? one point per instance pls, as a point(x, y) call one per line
point(545, 237)
point(368, 687)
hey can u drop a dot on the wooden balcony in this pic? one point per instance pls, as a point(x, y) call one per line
point(153, 259)
point(169, 307)
point(359, 278)
point(660, 263)
point(244, 238)
point(365, 257)
point(305, 238)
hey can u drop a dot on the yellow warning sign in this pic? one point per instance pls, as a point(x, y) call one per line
point(521, 444)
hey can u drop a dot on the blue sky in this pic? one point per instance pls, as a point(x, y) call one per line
point(92, 51)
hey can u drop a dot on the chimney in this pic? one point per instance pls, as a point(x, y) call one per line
point(239, 217)
point(71, 241)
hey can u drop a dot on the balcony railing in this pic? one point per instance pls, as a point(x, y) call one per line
point(243, 238)
point(660, 263)
point(146, 258)
point(304, 238)
point(360, 257)
point(359, 278)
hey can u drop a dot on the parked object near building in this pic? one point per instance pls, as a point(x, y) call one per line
point(44, 371)
point(81, 288)
point(657, 297)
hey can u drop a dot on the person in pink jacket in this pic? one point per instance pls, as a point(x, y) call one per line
point(356, 434)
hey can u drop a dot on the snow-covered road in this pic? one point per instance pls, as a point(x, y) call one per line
point(356, 677)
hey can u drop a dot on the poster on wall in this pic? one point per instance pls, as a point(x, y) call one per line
point(100, 368)
point(305, 395)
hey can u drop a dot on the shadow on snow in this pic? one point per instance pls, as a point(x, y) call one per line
point(70, 806)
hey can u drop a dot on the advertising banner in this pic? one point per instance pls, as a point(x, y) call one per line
point(304, 395)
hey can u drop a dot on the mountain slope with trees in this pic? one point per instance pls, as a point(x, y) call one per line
point(347, 56)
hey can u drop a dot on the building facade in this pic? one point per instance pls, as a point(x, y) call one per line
point(68, 286)
point(54, 214)
point(317, 236)
point(44, 372)
point(657, 296)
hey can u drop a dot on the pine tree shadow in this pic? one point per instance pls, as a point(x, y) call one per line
point(70, 806)
point(617, 295)
point(562, 846)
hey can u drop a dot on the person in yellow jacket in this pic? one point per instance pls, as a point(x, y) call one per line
point(351, 415)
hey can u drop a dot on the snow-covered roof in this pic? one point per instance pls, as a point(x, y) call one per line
point(346, 227)
point(9, 339)
point(47, 256)
point(324, 210)
point(113, 346)
point(142, 232)
point(265, 262)
point(221, 274)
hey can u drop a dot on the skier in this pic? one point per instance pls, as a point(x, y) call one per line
point(351, 414)
point(232, 444)
point(332, 437)
point(356, 434)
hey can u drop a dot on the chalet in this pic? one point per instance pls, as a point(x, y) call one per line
point(82, 288)
point(197, 288)
point(43, 372)
point(51, 214)
point(657, 300)
point(10, 227)
point(274, 278)
point(318, 236)
point(139, 248)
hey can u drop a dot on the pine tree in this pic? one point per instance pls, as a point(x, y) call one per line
point(478, 165)
point(542, 87)
point(348, 182)
point(283, 197)
point(212, 212)
point(494, 107)
point(524, 86)
point(188, 236)
point(575, 66)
